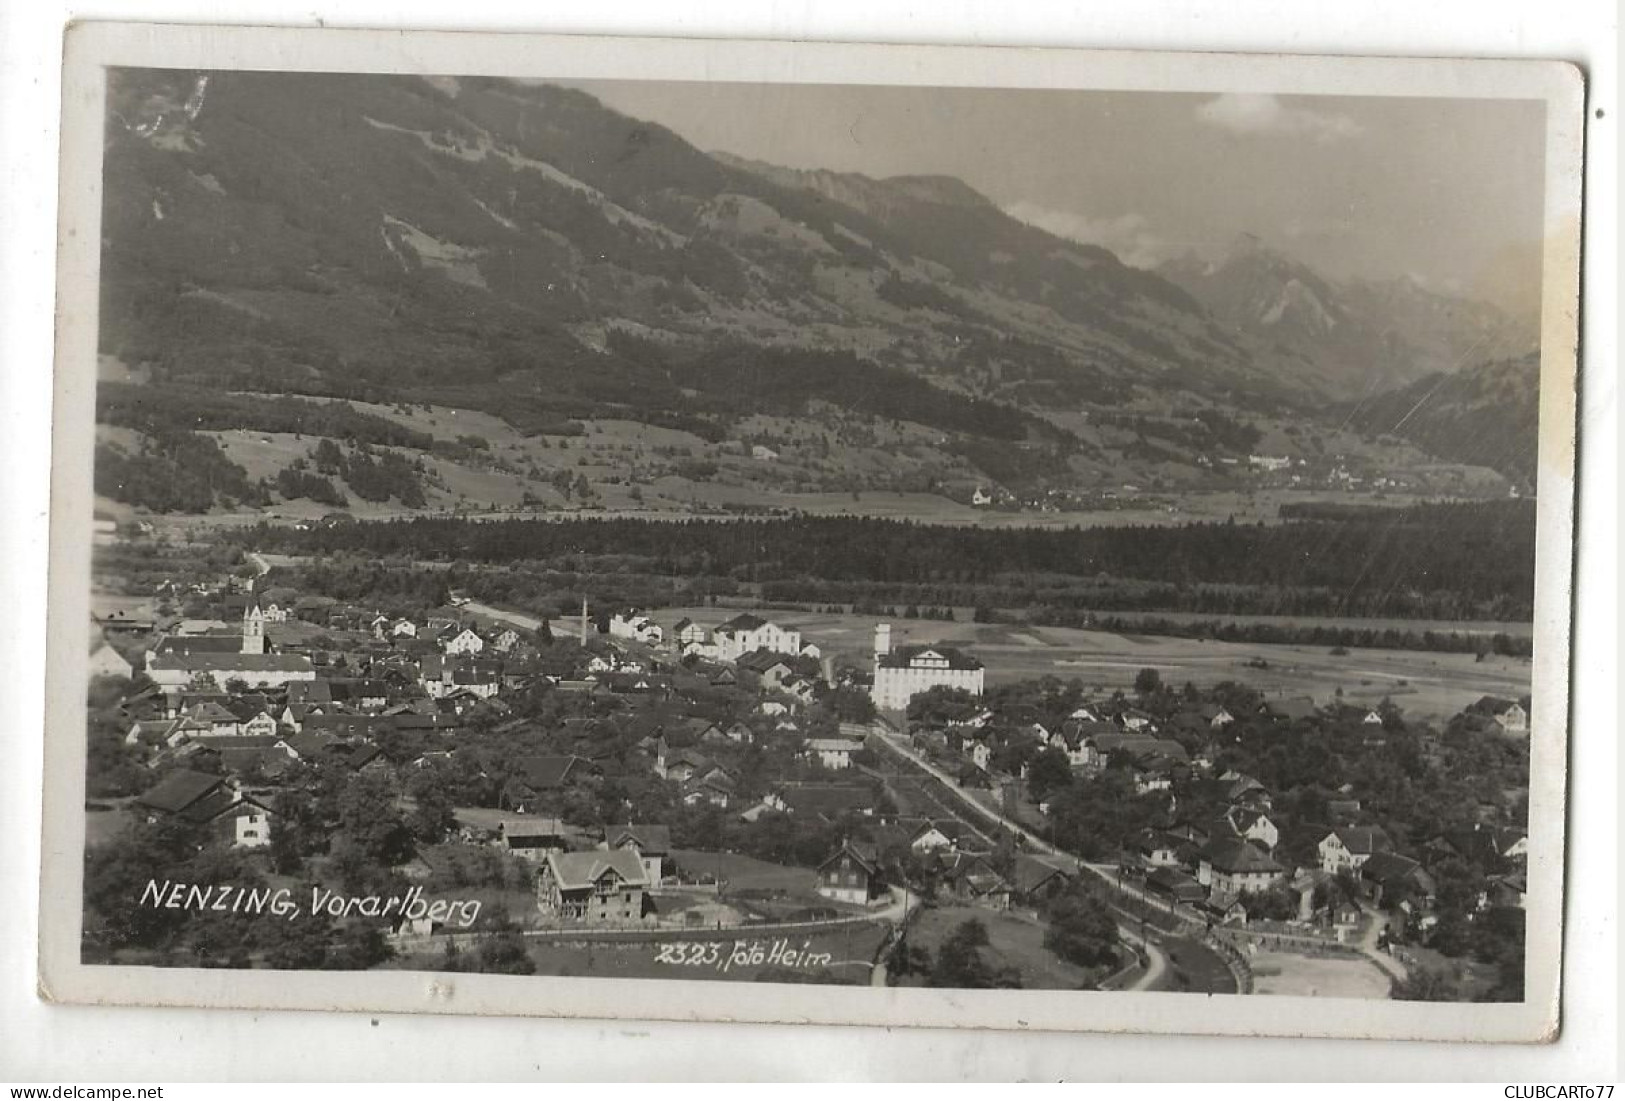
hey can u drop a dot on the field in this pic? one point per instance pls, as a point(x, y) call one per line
point(1014, 940)
point(1424, 683)
point(828, 463)
point(744, 873)
point(1284, 973)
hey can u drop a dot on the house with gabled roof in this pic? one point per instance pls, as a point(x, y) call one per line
point(832, 753)
point(597, 887)
point(1349, 847)
point(1230, 867)
point(212, 804)
point(1036, 878)
point(650, 842)
point(537, 777)
point(852, 874)
point(1291, 709)
point(746, 633)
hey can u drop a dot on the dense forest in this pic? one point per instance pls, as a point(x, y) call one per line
point(1443, 561)
point(186, 408)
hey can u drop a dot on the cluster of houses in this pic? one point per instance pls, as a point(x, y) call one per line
point(1218, 843)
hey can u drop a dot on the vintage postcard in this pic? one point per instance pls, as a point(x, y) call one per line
point(762, 531)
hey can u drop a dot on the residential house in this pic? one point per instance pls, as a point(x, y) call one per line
point(970, 878)
point(538, 778)
point(1233, 867)
point(636, 627)
point(715, 787)
point(746, 633)
point(596, 888)
point(1347, 848)
point(1036, 878)
point(1254, 825)
point(936, 837)
point(852, 874)
point(833, 752)
point(532, 837)
point(212, 803)
point(1398, 882)
point(1175, 885)
point(1291, 709)
point(651, 844)
point(769, 668)
point(466, 641)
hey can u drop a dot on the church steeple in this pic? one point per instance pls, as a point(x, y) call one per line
point(253, 623)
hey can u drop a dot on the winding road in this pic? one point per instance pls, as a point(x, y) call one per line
point(1157, 961)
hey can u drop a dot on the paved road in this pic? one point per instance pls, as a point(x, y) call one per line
point(1157, 962)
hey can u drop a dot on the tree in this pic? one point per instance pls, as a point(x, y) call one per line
point(1081, 929)
point(1148, 682)
point(1050, 771)
point(369, 822)
point(959, 963)
point(1424, 984)
point(433, 817)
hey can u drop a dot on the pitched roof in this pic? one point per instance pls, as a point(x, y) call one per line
point(1237, 856)
point(546, 773)
point(574, 871)
point(648, 837)
point(833, 745)
point(1297, 707)
point(1032, 871)
point(179, 790)
point(742, 622)
point(233, 663)
point(904, 656)
point(827, 799)
point(865, 854)
point(760, 661)
point(531, 825)
point(1363, 839)
point(199, 644)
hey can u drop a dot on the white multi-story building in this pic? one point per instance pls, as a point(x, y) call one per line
point(902, 674)
point(637, 627)
point(746, 633)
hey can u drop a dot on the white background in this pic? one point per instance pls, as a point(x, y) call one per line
point(46, 1044)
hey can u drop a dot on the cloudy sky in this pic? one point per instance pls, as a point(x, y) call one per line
point(1447, 191)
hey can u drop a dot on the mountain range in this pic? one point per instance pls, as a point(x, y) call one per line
point(523, 250)
point(1355, 337)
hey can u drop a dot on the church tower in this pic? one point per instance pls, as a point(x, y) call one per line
point(253, 624)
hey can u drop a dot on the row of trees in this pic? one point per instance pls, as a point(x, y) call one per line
point(1446, 561)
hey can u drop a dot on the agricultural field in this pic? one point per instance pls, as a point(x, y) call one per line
point(1423, 683)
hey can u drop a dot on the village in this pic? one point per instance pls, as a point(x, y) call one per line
point(619, 781)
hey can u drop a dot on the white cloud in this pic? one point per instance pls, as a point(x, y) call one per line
point(1260, 114)
point(1129, 236)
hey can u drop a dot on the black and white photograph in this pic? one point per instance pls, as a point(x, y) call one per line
point(872, 535)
